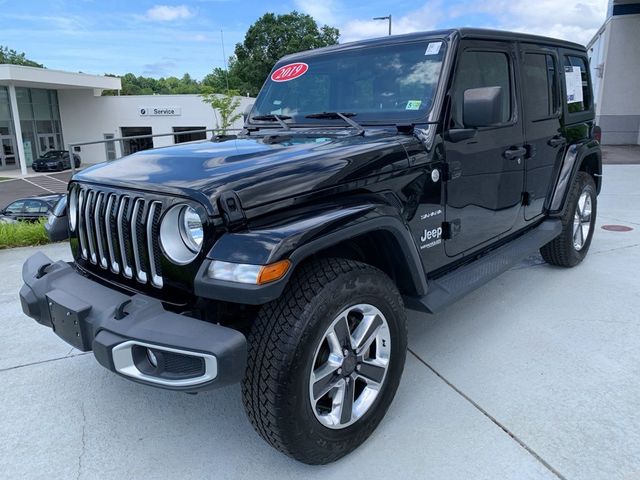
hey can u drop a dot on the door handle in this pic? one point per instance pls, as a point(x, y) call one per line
point(514, 152)
point(556, 141)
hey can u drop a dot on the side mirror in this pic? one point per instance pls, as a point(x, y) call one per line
point(482, 107)
point(247, 111)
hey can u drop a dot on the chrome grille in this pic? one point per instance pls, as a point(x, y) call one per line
point(119, 232)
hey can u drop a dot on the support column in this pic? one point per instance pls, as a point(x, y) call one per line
point(17, 128)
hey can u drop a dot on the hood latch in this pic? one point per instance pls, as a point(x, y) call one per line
point(231, 208)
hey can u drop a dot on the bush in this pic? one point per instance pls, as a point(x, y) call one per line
point(23, 234)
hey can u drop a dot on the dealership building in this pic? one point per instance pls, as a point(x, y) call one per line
point(614, 57)
point(43, 110)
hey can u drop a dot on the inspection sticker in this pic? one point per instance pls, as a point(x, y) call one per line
point(413, 105)
point(433, 48)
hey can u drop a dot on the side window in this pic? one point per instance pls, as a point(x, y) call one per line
point(34, 206)
point(578, 90)
point(541, 89)
point(16, 207)
point(482, 69)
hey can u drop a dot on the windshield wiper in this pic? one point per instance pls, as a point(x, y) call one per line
point(272, 117)
point(335, 115)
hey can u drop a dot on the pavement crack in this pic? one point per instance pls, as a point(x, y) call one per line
point(494, 420)
point(42, 361)
point(83, 439)
point(617, 248)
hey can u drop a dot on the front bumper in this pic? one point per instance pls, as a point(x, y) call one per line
point(133, 336)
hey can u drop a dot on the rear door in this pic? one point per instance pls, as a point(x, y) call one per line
point(543, 133)
point(484, 194)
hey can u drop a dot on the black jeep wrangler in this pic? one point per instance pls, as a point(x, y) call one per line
point(370, 177)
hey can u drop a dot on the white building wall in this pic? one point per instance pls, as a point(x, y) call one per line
point(86, 117)
point(616, 48)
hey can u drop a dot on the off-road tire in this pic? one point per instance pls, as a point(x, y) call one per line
point(281, 347)
point(561, 251)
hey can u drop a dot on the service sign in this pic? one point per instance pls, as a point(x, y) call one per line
point(159, 111)
point(289, 72)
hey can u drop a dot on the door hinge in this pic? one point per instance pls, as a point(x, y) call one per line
point(451, 229)
point(452, 170)
point(231, 208)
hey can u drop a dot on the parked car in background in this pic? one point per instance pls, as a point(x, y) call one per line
point(57, 226)
point(4, 219)
point(31, 208)
point(54, 161)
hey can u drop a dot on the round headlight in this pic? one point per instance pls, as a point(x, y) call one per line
point(181, 234)
point(73, 209)
point(191, 228)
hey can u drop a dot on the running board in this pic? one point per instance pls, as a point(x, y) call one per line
point(449, 288)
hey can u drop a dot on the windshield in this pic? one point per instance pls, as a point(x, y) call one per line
point(53, 154)
point(378, 84)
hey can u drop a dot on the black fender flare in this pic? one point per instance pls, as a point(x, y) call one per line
point(571, 163)
point(298, 239)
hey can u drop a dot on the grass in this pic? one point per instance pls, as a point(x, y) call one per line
point(22, 234)
point(5, 178)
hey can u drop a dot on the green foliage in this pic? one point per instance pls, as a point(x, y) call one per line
point(22, 234)
point(12, 57)
point(269, 39)
point(226, 106)
point(133, 85)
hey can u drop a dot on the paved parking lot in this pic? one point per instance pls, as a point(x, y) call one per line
point(534, 376)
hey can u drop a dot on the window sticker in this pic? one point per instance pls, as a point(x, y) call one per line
point(289, 72)
point(433, 48)
point(413, 105)
point(573, 81)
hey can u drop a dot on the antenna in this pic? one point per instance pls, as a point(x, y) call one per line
point(224, 59)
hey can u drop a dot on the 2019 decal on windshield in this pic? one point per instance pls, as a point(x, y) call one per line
point(289, 72)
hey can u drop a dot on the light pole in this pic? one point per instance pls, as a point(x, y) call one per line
point(388, 17)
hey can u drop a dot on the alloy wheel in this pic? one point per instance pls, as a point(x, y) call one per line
point(582, 221)
point(349, 366)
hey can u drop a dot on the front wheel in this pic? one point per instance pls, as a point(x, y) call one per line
point(578, 225)
point(325, 360)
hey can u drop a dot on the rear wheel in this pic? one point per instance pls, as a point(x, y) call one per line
point(325, 360)
point(578, 224)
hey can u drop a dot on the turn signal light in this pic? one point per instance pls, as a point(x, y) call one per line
point(273, 272)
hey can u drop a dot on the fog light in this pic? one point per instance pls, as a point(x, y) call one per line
point(153, 360)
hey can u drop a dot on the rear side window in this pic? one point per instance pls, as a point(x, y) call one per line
point(541, 89)
point(577, 86)
point(35, 206)
point(482, 69)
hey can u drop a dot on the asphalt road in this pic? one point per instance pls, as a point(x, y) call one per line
point(11, 190)
point(534, 376)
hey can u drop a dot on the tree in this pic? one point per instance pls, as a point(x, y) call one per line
point(226, 106)
point(270, 38)
point(12, 57)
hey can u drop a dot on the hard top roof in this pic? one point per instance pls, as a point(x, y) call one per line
point(478, 33)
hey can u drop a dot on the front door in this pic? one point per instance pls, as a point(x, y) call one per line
point(545, 142)
point(46, 143)
point(484, 193)
point(7, 151)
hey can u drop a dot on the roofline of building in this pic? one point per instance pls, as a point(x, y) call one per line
point(55, 79)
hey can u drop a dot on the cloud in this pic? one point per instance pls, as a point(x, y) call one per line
point(326, 12)
point(167, 13)
point(575, 20)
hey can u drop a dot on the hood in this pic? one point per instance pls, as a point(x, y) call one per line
point(258, 170)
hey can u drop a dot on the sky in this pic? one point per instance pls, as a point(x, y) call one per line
point(163, 38)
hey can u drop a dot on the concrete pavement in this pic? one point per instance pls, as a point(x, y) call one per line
point(533, 376)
